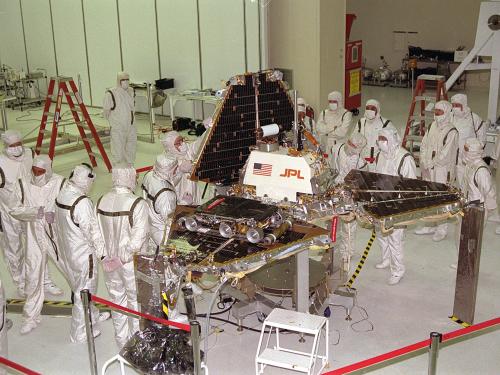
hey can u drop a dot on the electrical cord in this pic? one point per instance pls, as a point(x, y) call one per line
point(364, 318)
point(362, 311)
point(231, 322)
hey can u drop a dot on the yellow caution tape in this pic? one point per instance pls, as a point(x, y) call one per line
point(14, 302)
point(361, 262)
point(461, 322)
point(164, 304)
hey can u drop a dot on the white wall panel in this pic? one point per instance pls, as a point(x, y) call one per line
point(139, 44)
point(221, 37)
point(101, 22)
point(179, 56)
point(222, 40)
point(11, 43)
point(39, 43)
point(70, 42)
point(252, 9)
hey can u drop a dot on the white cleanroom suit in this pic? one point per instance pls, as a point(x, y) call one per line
point(159, 192)
point(477, 183)
point(123, 220)
point(393, 160)
point(346, 157)
point(15, 163)
point(308, 122)
point(185, 153)
point(35, 196)
point(80, 244)
point(469, 125)
point(118, 108)
point(334, 123)
point(369, 126)
point(438, 157)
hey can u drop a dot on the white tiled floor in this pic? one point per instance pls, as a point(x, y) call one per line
point(401, 314)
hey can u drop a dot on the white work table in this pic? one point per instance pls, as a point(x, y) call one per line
point(194, 97)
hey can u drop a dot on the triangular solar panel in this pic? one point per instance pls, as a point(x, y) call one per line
point(252, 100)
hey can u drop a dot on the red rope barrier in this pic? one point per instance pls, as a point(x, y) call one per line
point(18, 367)
point(412, 348)
point(380, 358)
point(476, 327)
point(143, 169)
point(182, 326)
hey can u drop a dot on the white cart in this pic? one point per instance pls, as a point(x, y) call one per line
point(277, 356)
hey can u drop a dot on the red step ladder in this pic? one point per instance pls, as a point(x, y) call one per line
point(424, 118)
point(57, 97)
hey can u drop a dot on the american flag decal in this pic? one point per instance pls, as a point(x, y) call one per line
point(262, 169)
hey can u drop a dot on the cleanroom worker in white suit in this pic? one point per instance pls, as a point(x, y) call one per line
point(124, 221)
point(118, 108)
point(80, 245)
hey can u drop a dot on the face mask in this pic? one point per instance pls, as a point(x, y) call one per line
point(439, 119)
point(458, 112)
point(470, 156)
point(333, 106)
point(38, 180)
point(383, 146)
point(370, 114)
point(124, 85)
point(87, 186)
point(14, 151)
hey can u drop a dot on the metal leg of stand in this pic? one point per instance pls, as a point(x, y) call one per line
point(195, 327)
point(85, 295)
point(195, 342)
point(302, 286)
point(149, 95)
point(302, 281)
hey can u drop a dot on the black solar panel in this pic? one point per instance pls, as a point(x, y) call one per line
point(234, 129)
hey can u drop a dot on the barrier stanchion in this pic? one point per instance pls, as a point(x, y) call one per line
point(433, 352)
point(195, 342)
point(86, 297)
point(415, 348)
point(187, 291)
point(17, 367)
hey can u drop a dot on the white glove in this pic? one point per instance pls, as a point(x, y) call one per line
point(111, 264)
point(187, 198)
point(50, 217)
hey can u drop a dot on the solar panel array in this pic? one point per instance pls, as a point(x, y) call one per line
point(234, 129)
point(384, 195)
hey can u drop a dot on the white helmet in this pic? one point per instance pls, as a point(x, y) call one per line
point(124, 177)
point(165, 167)
point(82, 176)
